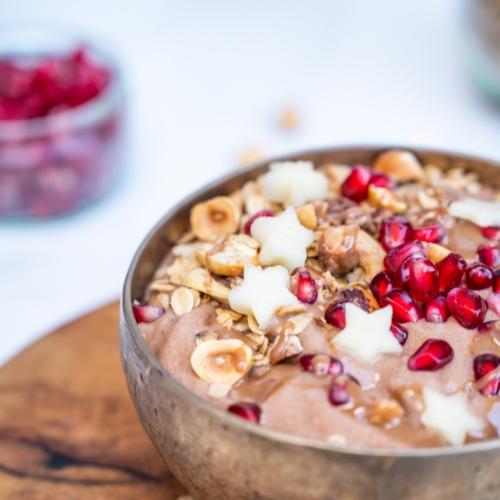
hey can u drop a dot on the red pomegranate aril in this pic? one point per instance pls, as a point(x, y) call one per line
point(394, 232)
point(380, 180)
point(496, 281)
point(249, 411)
point(430, 234)
point(400, 332)
point(478, 276)
point(396, 256)
point(380, 285)
point(335, 313)
point(404, 308)
point(338, 394)
point(491, 232)
point(484, 364)
point(403, 274)
point(467, 307)
point(355, 187)
point(451, 269)
point(303, 286)
point(493, 301)
point(432, 355)
point(247, 228)
point(321, 364)
point(146, 313)
point(436, 311)
point(492, 388)
point(423, 279)
point(489, 254)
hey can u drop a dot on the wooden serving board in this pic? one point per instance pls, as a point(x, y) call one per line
point(67, 425)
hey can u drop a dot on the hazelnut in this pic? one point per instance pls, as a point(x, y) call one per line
point(401, 166)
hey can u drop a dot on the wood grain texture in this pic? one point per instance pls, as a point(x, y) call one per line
point(67, 425)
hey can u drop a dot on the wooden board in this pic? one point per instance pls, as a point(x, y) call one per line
point(67, 425)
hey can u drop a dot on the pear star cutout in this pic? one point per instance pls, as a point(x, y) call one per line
point(366, 335)
point(480, 212)
point(449, 415)
point(283, 239)
point(262, 292)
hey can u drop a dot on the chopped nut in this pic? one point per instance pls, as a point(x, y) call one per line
point(307, 216)
point(402, 166)
point(253, 325)
point(161, 300)
point(436, 252)
point(384, 198)
point(336, 175)
point(222, 361)
point(161, 285)
point(371, 254)
point(253, 199)
point(184, 300)
point(285, 310)
point(360, 295)
point(229, 257)
point(284, 346)
point(200, 279)
point(226, 317)
point(215, 218)
point(385, 412)
point(298, 323)
point(250, 156)
point(288, 119)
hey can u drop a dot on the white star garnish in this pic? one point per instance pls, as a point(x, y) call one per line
point(449, 415)
point(366, 335)
point(262, 292)
point(481, 212)
point(294, 183)
point(283, 239)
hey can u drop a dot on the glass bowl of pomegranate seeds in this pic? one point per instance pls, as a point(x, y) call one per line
point(324, 325)
point(61, 120)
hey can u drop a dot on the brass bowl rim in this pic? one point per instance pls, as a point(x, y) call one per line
point(235, 421)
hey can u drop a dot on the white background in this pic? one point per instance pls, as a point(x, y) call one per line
point(206, 80)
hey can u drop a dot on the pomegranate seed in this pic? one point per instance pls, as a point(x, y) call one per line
point(431, 234)
point(492, 388)
point(478, 276)
point(423, 278)
point(484, 364)
point(496, 281)
point(380, 285)
point(493, 301)
point(451, 270)
point(404, 309)
point(338, 395)
point(489, 254)
point(335, 313)
point(321, 364)
point(249, 411)
point(355, 187)
point(262, 213)
point(466, 306)
point(491, 232)
point(436, 311)
point(400, 332)
point(403, 274)
point(380, 180)
point(432, 355)
point(394, 232)
point(147, 313)
point(303, 286)
point(396, 256)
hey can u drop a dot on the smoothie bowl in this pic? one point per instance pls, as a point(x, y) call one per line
point(325, 325)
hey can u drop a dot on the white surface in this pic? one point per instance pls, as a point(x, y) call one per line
point(206, 80)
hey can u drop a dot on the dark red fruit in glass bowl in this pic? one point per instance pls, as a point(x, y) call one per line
point(355, 187)
point(394, 232)
point(466, 306)
point(303, 286)
point(146, 313)
point(380, 285)
point(338, 394)
point(478, 276)
point(395, 257)
point(432, 355)
point(430, 234)
point(436, 311)
point(335, 313)
point(404, 308)
point(491, 232)
point(321, 364)
point(451, 269)
point(249, 411)
point(484, 364)
point(381, 180)
point(489, 254)
point(247, 228)
point(400, 332)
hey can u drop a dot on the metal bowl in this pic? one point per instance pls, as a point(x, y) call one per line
point(217, 455)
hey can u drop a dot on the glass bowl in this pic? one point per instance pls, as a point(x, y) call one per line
point(53, 164)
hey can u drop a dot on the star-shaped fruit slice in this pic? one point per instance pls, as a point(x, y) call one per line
point(482, 212)
point(367, 335)
point(283, 239)
point(262, 292)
